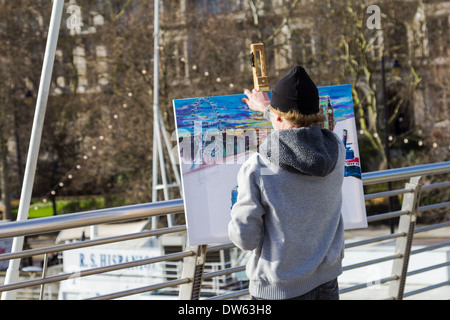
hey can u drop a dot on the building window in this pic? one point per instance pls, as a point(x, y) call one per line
point(439, 42)
point(400, 105)
point(171, 10)
point(216, 6)
point(303, 46)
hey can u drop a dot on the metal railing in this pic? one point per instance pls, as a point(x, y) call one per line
point(190, 283)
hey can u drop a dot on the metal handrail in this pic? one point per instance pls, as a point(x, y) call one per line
point(88, 218)
point(98, 270)
point(405, 173)
point(90, 243)
point(146, 210)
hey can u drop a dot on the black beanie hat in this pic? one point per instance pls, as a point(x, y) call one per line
point(295, 91)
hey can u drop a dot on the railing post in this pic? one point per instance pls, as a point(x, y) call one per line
point(193, 269)
point(406, 226)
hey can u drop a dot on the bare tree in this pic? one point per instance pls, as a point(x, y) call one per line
point(99, 121)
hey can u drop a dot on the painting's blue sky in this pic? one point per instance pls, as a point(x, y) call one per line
point(228, 112)
point(340, 99)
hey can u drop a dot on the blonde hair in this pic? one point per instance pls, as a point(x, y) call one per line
point(300, 120)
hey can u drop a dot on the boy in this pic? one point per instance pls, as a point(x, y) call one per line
point(291, 217)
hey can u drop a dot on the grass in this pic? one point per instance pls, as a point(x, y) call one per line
point(40, 209)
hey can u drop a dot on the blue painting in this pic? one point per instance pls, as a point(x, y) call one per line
point(217, 134)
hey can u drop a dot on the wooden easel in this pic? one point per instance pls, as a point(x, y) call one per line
point(258, 58)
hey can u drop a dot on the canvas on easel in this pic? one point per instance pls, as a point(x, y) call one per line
point(216, 135)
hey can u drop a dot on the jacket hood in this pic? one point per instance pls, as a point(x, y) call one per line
point(311, 150)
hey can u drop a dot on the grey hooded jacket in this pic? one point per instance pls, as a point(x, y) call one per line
point(288, 212)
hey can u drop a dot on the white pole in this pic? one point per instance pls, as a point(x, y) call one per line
point(155, 105)
point(155, 98)
point(12, 273)
point(158, 152)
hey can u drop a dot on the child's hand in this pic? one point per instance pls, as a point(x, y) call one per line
point(256, 101)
